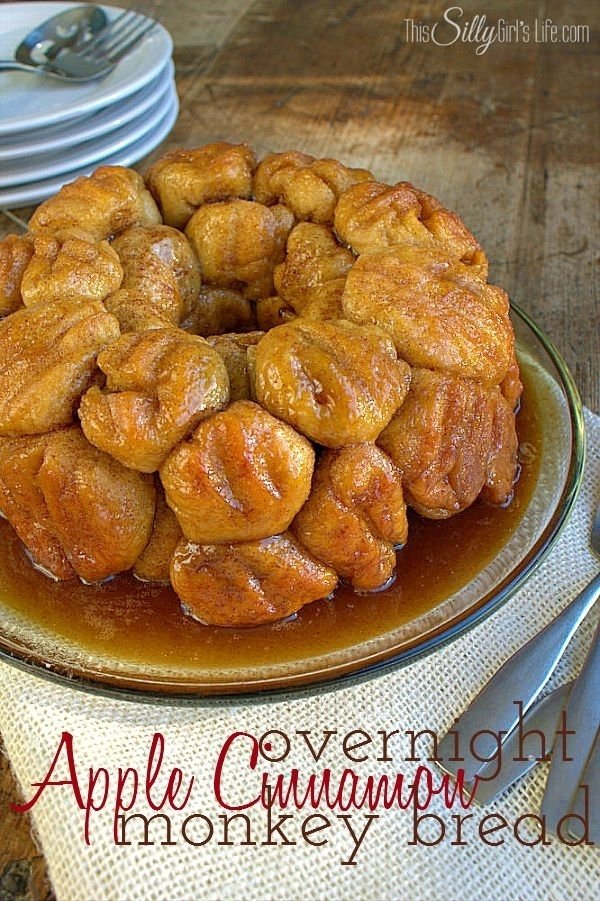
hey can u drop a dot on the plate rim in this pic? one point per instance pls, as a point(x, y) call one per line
point(301, 684)
point(139, 129)
point(162, 130)
point(67, 137)
point(91, 104)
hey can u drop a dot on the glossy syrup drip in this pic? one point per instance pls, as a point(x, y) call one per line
point(143, 622)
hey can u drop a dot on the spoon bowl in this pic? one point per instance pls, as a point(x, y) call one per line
point(69, 30)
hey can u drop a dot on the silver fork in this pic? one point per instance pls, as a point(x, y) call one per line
point(494, 713)
point(97, 57)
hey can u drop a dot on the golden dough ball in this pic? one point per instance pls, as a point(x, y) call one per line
point(511, 385)
point(310, 284)
point(439, 313)
point(371, 217)
point(355, 516)
point(450, 232)
point(70, 265)
point(502, 468)
point(310, 188)
point(154, 563)
point(157, 259)
point(101, 512)
point(161, 278)
point(243, 475)
point(239, 243)
point(103, 204)
point(273, 311)
point(235, 351)
point(217, 311)
point(445, 441)
point(15, 253)
point(336, 382)
point(23, 505)
point(182, 180)
point(249, 583)
point(77, 511)
point(314, 263)
point(159, 385)
point(47, 361)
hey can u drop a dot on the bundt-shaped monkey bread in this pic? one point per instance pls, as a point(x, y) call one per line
point(234, 376)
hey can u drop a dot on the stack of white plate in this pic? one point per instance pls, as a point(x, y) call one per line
point(51, 132)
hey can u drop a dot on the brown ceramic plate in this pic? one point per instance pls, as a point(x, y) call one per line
point(132, 640)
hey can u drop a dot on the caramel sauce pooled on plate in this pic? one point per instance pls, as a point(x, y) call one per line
point(125, 619)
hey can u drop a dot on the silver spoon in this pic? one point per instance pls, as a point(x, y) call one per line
point(71, 29)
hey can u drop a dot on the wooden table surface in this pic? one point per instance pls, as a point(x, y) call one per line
point(507, 138)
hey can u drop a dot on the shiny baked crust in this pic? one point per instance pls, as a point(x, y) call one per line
point(355, 516)
point(161, 278)
point(104, 204)
point(248, 583)
point(242, 475)
point(159, 385)
point(337, 382)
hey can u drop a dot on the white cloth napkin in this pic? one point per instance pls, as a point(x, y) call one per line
point(428, 694)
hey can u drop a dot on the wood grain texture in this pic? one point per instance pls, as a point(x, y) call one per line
point(508, 139)
point(22, 868)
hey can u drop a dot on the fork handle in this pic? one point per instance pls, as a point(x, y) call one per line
point(13, 64)
point(567, 767)
point(521, 678)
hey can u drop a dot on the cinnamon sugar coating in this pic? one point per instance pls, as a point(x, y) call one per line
point(336, 382)
point(101, 512)
point(371, 216)
point(310, 188)
point(15, 253)
point(312, 278)
point(184, 180)
point(439, 314)
point(47, 361)
point(70, 265)
point(161, 278)
point(239, 243)
point(159, 385)
point(23, 504)
point(355, 515)
point(103, 204)
point(242, 475)
point(249, 583)
point(78, 511)
point(452, 437)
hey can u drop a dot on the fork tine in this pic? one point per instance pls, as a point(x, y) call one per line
point(113, 30)
point(114, 57)
point(108, 29)
point(126, 36)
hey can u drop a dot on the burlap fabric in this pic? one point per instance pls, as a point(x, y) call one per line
point(427, 694)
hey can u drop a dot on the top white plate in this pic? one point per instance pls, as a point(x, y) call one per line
point(30, 100)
